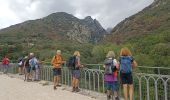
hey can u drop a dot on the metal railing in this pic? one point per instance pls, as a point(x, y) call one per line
point(148, 83)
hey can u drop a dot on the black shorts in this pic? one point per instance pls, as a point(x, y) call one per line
point(57, 71)
point(28, 69)
point(126, 78)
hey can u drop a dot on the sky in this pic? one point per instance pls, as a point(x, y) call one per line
point(108, 12)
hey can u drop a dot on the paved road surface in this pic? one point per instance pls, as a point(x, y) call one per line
point(17, 89)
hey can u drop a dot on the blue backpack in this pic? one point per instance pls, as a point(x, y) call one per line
point(126, 64)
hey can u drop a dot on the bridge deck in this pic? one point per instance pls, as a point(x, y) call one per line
point(17, 89)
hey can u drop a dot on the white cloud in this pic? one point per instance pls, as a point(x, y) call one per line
point(108, 12)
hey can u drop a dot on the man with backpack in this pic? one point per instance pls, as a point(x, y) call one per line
point(111, 76)
point(5, 63)
point(27, 68)
point(57, 64)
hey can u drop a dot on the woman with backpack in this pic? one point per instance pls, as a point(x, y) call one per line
point(111, 76)
point(126, 64)
point(76, 72)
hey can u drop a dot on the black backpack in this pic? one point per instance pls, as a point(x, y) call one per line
point(71, 63)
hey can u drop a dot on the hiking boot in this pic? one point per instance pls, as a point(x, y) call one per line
point(74, 89)
point(77, 89)
point(58, 85)
point(108, 97)
point(55, 87)
point(116, 98)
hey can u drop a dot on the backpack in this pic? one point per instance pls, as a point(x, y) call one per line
point(27, 63)
point(109, 66)
point(126, 64)
point(20, 61)
point(33, 62)
point(71, 63)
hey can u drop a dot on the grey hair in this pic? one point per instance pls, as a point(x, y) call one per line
point(110, 54)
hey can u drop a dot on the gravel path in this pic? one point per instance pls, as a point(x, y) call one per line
point(17, 89)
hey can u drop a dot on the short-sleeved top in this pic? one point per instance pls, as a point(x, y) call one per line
point(113, 77)
point(57, 61)
point(5, 61)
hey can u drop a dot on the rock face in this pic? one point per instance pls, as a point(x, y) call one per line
point(61, 26)
point(150, 20)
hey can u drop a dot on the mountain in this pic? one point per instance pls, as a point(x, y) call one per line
point(59, 26)
point(154, 19)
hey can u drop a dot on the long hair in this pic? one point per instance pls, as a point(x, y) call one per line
point(125, 52)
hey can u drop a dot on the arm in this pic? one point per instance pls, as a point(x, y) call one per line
point(134, 64)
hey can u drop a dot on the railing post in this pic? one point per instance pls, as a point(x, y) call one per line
point(165, 90)
point(147, 82)
point(140, 89)
point(156, 91)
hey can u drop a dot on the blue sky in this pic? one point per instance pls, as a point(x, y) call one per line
point(108, 12)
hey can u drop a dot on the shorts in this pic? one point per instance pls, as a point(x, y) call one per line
point(112, 85)
point(57, 71)
point(126, 78)
point(28, 69)
point(76, 74)
point(20, 66)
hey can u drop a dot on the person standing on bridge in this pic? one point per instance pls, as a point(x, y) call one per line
point(33, 62)
point(126, 64)
point(57, 64)
point(5, 63)
point(76, 72)
point(111, 76)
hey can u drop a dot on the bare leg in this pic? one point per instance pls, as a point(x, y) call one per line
point(77, 85)
point(73, 84)
point(131, 91)
point(125, 90)
point(58, 80)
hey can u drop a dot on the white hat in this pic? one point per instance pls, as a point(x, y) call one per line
point(58, 51)
point(31, 54)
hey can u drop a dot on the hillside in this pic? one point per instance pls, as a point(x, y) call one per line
point(58, 26)
point(43, 36)
point(151, 20)
point(147, 34)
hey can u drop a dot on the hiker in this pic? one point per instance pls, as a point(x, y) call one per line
point(57, 64)
point(20, 65)
point(111, 76)
point(76, 72)
point(27, 68)
point(5, 64)
point(33, 62)
point(126, 64)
